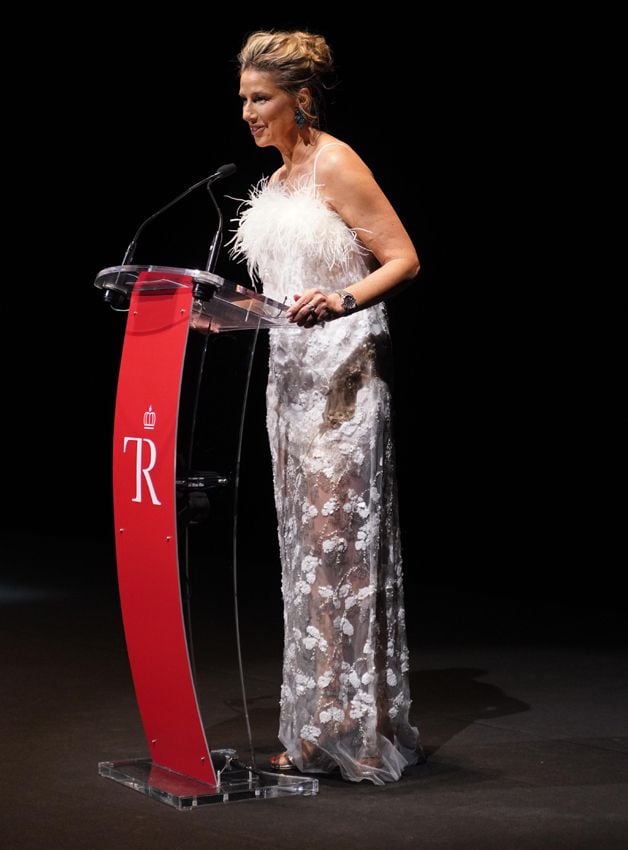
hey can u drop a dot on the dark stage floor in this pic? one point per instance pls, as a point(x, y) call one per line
point(522, 708)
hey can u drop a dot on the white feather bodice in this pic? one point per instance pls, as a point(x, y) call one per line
point(292, 240)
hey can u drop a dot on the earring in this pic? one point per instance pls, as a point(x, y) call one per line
point(299, 118)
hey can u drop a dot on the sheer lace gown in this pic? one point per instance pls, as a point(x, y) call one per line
point(345, 690)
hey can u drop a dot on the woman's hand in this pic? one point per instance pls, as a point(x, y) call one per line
point(315, 306)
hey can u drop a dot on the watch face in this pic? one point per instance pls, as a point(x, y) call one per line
point(349, 303)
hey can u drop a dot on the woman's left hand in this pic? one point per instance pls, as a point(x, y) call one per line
point(315, 306)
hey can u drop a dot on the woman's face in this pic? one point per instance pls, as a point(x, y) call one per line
point(267, 109)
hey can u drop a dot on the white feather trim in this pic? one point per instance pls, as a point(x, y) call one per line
point(290, 238)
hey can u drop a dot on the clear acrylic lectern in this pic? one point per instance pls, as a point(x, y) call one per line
point(169, 311)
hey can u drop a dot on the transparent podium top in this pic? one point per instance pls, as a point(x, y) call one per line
point(219, 304)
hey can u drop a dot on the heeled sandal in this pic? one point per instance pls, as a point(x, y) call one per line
point(281, 761)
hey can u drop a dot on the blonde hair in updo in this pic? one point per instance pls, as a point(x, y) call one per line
point(296, 59)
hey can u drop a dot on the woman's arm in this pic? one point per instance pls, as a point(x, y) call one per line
point(348, 186)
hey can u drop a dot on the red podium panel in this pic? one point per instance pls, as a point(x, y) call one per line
point(144, 464)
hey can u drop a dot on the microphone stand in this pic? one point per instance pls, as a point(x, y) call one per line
point(223, 171)
point(120, 302)
point(130, 251)
point(216, 242)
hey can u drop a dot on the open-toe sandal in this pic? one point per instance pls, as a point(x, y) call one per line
point(281, 761)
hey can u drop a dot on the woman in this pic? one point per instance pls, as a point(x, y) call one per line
point(321, 233)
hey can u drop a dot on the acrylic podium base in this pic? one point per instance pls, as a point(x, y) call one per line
point(236, 782)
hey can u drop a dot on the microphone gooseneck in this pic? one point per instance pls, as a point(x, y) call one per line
point(216, 242)
point(219, 174)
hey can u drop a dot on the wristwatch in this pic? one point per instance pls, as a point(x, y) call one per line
point(349, 304)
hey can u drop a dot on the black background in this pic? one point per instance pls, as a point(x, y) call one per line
point(120, 119)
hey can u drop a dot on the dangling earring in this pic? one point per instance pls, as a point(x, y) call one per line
point(299, 118)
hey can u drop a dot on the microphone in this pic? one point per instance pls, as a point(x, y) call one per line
point(224, 171)
point(216, 242)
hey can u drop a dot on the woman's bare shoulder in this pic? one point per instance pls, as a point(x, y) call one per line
point(337, 155)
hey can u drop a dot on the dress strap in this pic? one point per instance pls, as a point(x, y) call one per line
point(319, 152)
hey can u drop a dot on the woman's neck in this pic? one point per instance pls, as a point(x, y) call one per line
point(296, 155)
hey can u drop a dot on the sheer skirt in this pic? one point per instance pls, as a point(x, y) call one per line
point(345, 695)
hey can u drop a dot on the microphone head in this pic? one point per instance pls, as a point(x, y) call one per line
point(224, 171)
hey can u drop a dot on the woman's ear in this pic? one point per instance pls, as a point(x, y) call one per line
point(304, 100)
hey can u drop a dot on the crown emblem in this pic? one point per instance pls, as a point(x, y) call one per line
point(150, 417)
